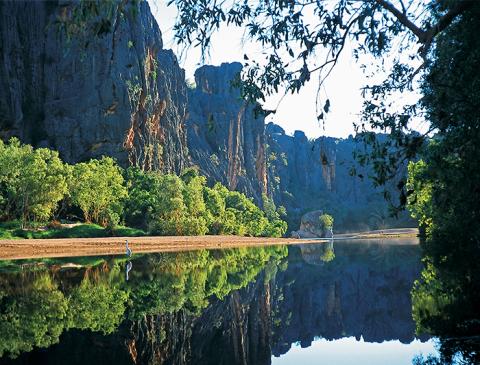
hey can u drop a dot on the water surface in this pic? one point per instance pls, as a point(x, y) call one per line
point(340, 302)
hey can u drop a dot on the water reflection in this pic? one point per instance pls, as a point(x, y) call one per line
point(446, 303)
point(128, 268)
point(206, 307)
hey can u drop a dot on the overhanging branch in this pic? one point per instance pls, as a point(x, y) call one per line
point(402, 18)
point(426, 36)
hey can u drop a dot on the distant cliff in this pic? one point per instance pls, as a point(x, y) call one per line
point(305, 175)
point(225, 137)
point(90, 79)
point(231, 144)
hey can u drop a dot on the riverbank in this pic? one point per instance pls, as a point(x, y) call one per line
point(70, 247)
point(381, 234)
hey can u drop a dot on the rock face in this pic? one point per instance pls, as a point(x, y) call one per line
point(307, 175)
point(225, 137)
point(91, 79)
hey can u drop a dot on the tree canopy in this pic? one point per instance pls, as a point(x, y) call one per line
point(35, 186)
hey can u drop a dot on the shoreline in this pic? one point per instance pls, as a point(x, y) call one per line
point(74, 247)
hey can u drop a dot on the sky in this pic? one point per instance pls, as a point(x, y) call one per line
point(295, 112)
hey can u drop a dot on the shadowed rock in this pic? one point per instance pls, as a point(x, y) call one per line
point(92, 79)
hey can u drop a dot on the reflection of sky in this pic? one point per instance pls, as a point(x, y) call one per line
point(350, 351)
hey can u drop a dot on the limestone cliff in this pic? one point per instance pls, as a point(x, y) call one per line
point(306, 175)
point(225, 137)
point(91, 78)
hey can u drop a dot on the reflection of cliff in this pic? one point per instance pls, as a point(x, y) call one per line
point(363, 291)
point(94, 296)
point(233, 331)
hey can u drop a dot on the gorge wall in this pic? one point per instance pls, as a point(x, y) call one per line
point(91, 79)
point(231, 144)
point(226, 139)
point(322, 174)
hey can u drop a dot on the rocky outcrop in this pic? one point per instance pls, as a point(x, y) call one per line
point(89, 79)
point(226, 139)
point(310, 226)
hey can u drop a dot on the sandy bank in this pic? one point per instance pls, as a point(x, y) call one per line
point(66, 247)
point(69, 247)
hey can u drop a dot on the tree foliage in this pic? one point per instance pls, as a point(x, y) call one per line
point(32, 181)
point(173, 205)
point(97, 187)
point(326, 221)
point(445, 194)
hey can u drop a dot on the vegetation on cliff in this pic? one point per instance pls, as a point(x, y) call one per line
point(36, 186)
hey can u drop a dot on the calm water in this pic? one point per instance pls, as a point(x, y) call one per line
point(336, 303)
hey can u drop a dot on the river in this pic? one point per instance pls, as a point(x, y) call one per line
point(343, 302)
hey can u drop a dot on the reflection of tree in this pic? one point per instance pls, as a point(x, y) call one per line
point(447, 307)
point(96, 306)
point(187, 280)
point(329, 253)
point(318, 254)
point(34, 316)
point(98, 298)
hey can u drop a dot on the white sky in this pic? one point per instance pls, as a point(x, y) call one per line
point(295, 112)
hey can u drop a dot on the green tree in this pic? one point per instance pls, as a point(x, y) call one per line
point(196, 218)
point(170, 210)
point(140, 204)
point(32, 181)
point(276, 227)
point(326, 222)
point(445, 196)
point(172, 205)
point(98, 189)
point(420, 197)
point(215, 207)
